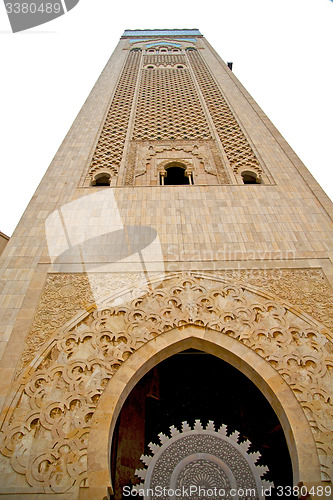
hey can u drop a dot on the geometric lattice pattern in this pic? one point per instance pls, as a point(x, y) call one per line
point(110, 146)
point(235, 144)
point(169, 107)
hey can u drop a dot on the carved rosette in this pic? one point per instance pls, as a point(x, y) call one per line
point(46, 431)
point(201, 463)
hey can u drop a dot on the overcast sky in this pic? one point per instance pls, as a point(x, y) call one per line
point(281, 50)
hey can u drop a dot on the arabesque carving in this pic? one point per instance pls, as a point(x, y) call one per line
point(47, 429)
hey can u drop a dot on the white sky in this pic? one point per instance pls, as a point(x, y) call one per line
point(281, 50)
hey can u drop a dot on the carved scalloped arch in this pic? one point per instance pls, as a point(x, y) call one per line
point(193, 150)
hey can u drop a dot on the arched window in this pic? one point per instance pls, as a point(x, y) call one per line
point(163, 50)
point(175, 176)
point(102, 179)
point(250, 178)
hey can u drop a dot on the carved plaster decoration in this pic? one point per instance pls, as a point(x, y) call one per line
point(64, 295)
point(197, 152)
point(200, 461)
point(145, 156)
point(307, 289)
point(47, 427)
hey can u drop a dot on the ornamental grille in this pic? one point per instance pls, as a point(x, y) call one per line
point(169, 107)
point(202, 460)
point(235, 144)
point(110, 146)
point(164, 60)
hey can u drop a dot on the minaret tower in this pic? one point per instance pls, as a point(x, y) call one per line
point(167, 295)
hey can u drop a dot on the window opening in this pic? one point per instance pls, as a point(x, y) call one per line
point(102, 180)
point(176, 176)
point(250, 178)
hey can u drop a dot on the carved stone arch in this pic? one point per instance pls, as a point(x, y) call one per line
point(298, 434)
point(251, 173)
point(55, 397)
point(257, 173)
point(109, 172)
point(186, 165)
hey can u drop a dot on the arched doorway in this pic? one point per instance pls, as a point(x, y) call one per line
point(190, 386)
point(301, 445)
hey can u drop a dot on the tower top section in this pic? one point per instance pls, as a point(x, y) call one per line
point(161, 32)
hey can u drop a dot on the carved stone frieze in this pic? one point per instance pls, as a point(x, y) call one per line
point(47, 428)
